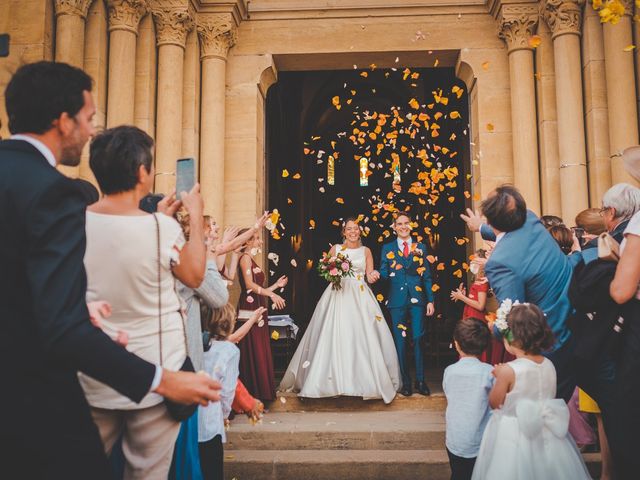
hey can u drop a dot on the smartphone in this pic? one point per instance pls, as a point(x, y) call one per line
point(185, 175)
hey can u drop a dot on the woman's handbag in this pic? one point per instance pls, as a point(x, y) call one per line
point(178, 411)
point(608, 248)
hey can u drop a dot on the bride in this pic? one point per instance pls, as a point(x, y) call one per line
point(347, 348)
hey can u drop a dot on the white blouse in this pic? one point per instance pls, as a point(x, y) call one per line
point(633, 228)
point(122, 268)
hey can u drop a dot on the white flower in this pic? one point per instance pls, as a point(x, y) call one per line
point(502, 312)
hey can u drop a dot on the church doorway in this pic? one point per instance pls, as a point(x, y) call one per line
point(369, 143)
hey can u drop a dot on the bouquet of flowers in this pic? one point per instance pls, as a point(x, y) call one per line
point(333, 268)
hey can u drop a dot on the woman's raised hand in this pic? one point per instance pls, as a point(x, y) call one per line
point(278, 301)
point(169, 205)
point(282, 281)
point(257, 315)
point(193, 202)
point(261, 222)
point(229, 234)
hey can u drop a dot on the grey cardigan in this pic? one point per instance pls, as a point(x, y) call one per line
point(213, 292)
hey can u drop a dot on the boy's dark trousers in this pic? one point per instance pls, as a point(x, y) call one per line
point(212, 458)
point(461, 468)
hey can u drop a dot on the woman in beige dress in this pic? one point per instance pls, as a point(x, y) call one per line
point(122, 267)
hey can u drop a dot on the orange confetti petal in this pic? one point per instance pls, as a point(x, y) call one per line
point(535, 41)
point(285, 173)
point(339, 200)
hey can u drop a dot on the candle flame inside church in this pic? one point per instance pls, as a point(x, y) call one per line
point(364, 169)
point(331, 171)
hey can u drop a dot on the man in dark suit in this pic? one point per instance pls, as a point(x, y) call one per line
point(527, 265)
point(45, 333)
point(404, 265)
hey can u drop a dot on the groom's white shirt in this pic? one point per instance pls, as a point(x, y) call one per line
point(401, 243)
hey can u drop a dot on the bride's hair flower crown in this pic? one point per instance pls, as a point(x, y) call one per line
point(501, 318)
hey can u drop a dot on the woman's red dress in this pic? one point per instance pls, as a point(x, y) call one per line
point(256, 363)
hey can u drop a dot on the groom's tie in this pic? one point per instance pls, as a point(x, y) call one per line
point(405, 249)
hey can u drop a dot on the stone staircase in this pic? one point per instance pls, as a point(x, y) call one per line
point(344, 439)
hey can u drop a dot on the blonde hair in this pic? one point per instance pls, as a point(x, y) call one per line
point(222, 322)
point(591, 221)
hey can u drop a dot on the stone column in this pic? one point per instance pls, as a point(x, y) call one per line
point(564, 18)
point(145, 90)
point(595, 105)
point(621, 91)
point(96, 44)
point(124, 17)
point(70, 20)
point(217, 34)
point(516, 26)
point(173, 23)
point(547, 124)
point(189, 97)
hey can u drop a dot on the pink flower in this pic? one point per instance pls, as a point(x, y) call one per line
point(345, 267)
point(333, 272)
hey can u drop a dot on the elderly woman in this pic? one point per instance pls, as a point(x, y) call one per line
point(133, 260)
point(619, 204)
point(625, 290)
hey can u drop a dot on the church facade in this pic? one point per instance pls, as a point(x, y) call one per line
point(553, 92)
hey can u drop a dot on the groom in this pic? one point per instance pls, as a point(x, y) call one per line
point(405, 266)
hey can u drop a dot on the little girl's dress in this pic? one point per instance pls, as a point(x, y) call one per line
point(527, 438)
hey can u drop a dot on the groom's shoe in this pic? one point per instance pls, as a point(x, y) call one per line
point(423, 389)
point(406, 389)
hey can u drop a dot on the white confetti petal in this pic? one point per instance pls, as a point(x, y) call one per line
point(306, 364)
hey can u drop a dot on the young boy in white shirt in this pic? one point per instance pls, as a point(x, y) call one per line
point(467, 384)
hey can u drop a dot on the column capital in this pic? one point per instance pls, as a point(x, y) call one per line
point(218, 33)
point(563, 16)
point(173, 20)
point(516, 25)
point(126, 14)
point(78, 8)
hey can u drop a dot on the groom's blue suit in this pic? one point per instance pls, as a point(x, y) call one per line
point(409, 292)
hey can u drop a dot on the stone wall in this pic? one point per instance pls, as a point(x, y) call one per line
point(552, 91)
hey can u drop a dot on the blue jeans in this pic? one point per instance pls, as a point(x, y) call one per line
point(402, 316)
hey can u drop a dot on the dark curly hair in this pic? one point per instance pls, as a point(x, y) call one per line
point(472, 336)
point(529, 328)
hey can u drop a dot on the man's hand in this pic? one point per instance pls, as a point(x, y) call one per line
point(431, 309)
point(100, 310)
point(189, 388)
point(169, 205)
point(472, 219)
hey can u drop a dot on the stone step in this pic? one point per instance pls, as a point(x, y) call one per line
point(391, 430)
point(290, 402)
point(336, 464)
point(347, 464)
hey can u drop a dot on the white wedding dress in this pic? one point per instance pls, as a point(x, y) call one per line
point(347, 348)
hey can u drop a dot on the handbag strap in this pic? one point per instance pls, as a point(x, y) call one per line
point(159, 269)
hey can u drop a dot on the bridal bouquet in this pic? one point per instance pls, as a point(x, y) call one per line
point(334, 268)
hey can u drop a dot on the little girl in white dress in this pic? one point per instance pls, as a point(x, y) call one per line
point(527, 436)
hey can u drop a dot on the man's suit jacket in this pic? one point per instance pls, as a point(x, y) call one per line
point(45, 333)
point(528, 265)
point(409, 277)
